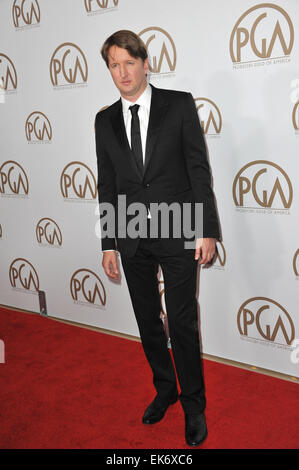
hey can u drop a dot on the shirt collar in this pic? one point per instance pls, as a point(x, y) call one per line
point(143, 100)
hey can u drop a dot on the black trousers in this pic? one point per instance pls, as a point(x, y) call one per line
point(180, 275)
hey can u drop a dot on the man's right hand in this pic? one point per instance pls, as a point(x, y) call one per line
point(110, 264)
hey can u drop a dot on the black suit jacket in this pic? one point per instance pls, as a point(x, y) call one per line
point(176, 168)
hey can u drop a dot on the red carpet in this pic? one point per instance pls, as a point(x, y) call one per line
point(64, 387)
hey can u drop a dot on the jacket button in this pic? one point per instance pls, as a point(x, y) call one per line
point(147, 185)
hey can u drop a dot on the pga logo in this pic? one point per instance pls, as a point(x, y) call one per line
point(295, 353)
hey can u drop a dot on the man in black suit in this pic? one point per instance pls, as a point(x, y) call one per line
point(150, 149)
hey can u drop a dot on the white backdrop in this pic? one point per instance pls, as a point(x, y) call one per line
point(239, 59)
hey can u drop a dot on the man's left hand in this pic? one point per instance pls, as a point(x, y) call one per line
point(205, 249)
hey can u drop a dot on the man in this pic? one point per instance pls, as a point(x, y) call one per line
point(150, 149)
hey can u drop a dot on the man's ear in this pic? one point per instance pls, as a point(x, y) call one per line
point(146, 65)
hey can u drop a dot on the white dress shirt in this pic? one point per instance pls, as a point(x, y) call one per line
point(144, 102)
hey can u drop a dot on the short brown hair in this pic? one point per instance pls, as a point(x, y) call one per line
point(127, 40)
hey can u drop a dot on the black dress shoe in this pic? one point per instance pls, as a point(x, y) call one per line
point(195, 428)
point(155, 411)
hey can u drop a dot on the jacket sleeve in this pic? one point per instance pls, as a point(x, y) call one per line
point(198, 168)
point(106, 187)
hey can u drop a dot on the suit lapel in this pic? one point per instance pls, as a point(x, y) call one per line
point(157, 114)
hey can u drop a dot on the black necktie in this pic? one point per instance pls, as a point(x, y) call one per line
point(136, 137)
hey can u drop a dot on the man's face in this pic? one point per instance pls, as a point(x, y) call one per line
point(128, 73)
